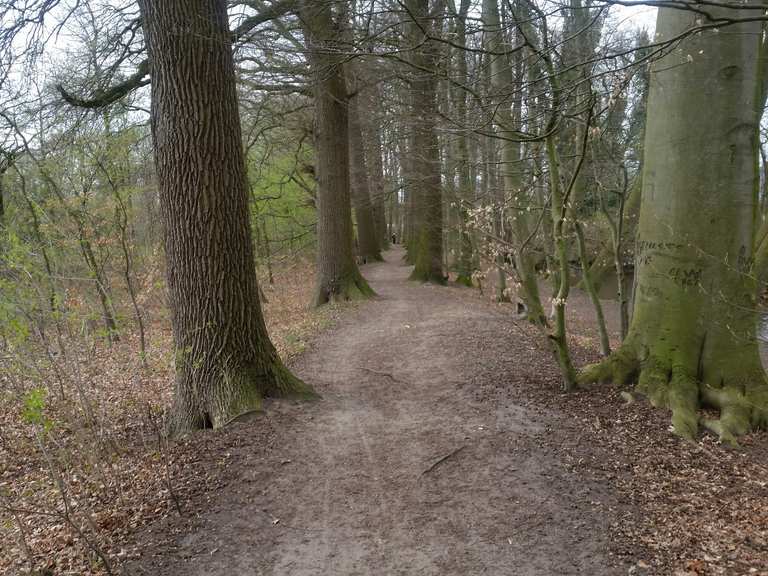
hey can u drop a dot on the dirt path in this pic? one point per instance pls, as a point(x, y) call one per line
point(401, 468)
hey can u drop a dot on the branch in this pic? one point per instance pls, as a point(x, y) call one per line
point(103, 98)
point(266, 14)
point(140, 78)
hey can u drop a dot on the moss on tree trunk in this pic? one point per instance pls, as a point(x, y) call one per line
point(426, 247)
point(225, 362)
point(368, 234)
point(338, 277)
point(692, 341)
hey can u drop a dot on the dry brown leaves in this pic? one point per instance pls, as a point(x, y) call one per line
point(76, 490)
point(688, 509)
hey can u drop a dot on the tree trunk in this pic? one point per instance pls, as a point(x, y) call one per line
point(225, 362)
point(367, 233)
point(428, 240)
point(102, 284)
point(369, 104)
point(465, 258)
point(2, 215)
point(411, 215)
point(2, 198)
point(501, 80)
point(692, 341)
point(338, 277)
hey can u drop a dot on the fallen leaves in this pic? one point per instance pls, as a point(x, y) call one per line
point(116, 469)
point(692, 509)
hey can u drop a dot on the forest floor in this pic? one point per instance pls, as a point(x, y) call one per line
point(441, 445)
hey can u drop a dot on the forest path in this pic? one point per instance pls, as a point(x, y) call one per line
point(399, 468)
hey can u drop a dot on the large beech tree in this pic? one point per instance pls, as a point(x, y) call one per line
point(225, 362)
point(692, 341)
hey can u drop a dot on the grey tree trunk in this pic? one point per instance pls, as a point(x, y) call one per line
point(692, 340)
point(225, 361)
point(338, 277)
point(501, 80)
point(428, 236)
point(368, 236)
point(369, 109)
point(465, 258)
point(4, 166)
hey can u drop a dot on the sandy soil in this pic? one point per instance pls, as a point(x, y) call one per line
point(402, 467)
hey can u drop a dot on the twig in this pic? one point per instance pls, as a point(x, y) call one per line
point(385, 374)
point(162, 447)
point(443, 459)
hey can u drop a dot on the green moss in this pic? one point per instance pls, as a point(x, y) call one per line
point(287, 385)
point(743, 403)
point(620, 367)
point(428, 265)
point(352, 287)
point(464, 280)
point(236, 396)
point(682, 397)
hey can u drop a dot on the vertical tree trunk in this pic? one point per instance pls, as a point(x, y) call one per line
point(368, 109)
point(225, 361)
point(3, 169)
point(578, 72)
point(410, 191)
point(692, 340)
point(464, 260)
point(501, 80)
point(338, 277)
point(368, 235)
point(101, 281)
point(428, 240)
point(2, 197)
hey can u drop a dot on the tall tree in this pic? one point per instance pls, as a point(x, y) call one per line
point(692, 341)
point(368, 238)
point(338, 277)
point(7, 158)
point(501, 79)
point(225, 361)
point(462, 164)
point(369, 108)
point(428, 236)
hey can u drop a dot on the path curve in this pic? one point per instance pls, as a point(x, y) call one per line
point(399, 469)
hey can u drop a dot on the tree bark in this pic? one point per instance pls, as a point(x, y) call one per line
point(368, 246)
point(2, 198)
point(338, 277)
point(3, 169)
point(369, 110)
point(465, 258)
point(428, 237)
point(692, 341)
point(225, 361)
point(501, 79)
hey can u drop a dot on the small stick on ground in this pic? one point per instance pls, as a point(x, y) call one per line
point(386, 374)
point(443, 459)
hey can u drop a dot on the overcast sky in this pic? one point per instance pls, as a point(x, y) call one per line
point(636, 17)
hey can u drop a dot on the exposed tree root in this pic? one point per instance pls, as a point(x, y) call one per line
point(741, 397)
point(234, 393)
point(352, 287)
point(368, 258)
point(426, 277)
point(285, 385)
point(428, 262)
